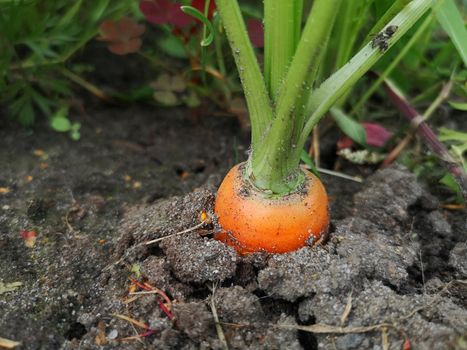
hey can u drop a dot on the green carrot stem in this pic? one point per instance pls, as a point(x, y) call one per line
point(282, 22)
point(256, 95)
point(279, 135)
point(273, 165)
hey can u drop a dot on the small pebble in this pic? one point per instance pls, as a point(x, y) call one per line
point(113, 334)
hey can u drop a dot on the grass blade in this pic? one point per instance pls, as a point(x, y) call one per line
point(450, 18)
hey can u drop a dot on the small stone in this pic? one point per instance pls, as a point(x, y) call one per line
point(113, 334)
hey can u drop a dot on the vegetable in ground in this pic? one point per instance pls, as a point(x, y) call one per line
point(275, 224)
point(270, 203)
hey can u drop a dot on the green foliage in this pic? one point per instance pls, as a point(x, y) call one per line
point(450, 182)
point(172, 46)
point(60, 123)
point(208, 37)
point(458, 140)
point(420, 62)
point(428, 167)
point(38, 38)
point(349, 126)
point(458, 105)
point(450, 18)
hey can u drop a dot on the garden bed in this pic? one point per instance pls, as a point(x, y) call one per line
point(393, 270)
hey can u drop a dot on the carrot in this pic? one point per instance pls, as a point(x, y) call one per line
point(250, 221)
point(274, 205)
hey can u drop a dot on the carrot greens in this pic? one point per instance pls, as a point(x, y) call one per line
point(284, 100)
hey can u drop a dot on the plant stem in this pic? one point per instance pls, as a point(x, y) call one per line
point(442, 96)
point(218, 47)
point(428, 135)
point(84, 84)
point(252, 80)
point(282, 22)
point(279, 135)
point(273, 165)
point(352, 16)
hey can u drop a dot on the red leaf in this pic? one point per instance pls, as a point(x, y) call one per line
point(344, 142)
point(126, 47)
point(29, 238)
point(256, 32)
point(122, 36)
point(407, 345)
point(199, 5)
point(376, 135)
point(164, 12)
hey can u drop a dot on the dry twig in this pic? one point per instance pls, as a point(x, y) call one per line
point(348, 308)
point(190, 229)
point(219, 330)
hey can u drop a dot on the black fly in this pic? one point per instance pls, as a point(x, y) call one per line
point(381, 39)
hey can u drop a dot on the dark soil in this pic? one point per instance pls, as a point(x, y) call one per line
point(394, 269)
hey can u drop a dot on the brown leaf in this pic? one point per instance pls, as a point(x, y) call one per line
point(122, 48)
point(122, 36)
point(101, 338)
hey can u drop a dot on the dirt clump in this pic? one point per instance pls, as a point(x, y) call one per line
point(196, 259)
